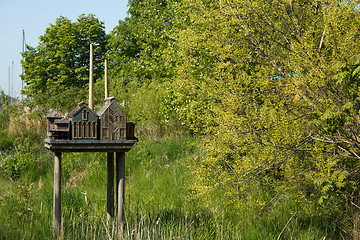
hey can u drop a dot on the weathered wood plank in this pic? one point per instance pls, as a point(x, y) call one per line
point(118, 146)
point(57, 194)
point(110, 186)
point(89, 145)
point(120, 190)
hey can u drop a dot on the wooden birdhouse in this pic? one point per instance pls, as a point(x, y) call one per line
point(58, 127)
point(84, 123)
point(112, 120)
point(83, 130)
point(109, 123)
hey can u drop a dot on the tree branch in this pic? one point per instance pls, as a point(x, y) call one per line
point(322, 40)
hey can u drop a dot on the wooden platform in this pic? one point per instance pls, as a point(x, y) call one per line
point(89, 145)
point(110, 146)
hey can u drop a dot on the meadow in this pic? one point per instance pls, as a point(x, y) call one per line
point(158, 199)
point(247, 114)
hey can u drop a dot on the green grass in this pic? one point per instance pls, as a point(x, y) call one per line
point(157, 199)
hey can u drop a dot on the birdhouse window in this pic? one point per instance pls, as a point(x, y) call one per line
point(104, 133)
point(84, 115)
point(75, 126)
point(84, 130)
point(116, 118)
point(80, 129)
point(93, 130)
point(122, 133)
point(88, 130)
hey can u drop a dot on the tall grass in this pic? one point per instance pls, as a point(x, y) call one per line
point(158, 203)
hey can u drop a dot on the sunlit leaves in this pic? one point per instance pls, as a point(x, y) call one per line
point(58, 66)
point(258, 79)
point(139, 70)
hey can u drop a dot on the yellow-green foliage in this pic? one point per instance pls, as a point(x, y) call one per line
point(262, 81)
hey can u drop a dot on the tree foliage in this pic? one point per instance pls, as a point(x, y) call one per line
point(139, 70)
point(273, 87)
point(56, 72)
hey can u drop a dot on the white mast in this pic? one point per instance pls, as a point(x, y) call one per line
point(22, 69)
point(12, 80)
point(9, 86)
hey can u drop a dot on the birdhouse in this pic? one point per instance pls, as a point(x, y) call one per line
point(83, 122)
point(112, 121)
point(83, 130)
point(58, 127)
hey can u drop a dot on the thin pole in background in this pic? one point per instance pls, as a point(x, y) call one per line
point(22, 69)
point(9, 85)
point(12, 79)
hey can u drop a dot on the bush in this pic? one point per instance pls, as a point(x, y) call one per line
point(5, 141)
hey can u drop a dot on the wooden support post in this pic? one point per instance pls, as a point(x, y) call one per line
point(57, 194)
point(120, 190)
point(110, 186)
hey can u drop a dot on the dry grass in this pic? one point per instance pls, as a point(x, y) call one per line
point(25, 121)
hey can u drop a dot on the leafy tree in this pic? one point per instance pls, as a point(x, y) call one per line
point(138, 42)
point(262, 81)
point(138, 68)
point(56, 71)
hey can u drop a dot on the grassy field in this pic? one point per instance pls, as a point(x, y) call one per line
point(159, 204)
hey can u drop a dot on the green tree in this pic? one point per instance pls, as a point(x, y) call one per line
point(139, 69)
point(56, 72)
point(261, 80)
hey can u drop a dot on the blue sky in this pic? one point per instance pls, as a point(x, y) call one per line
point(34, 17)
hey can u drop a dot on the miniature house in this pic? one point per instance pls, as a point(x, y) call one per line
point(112, 121)
point(81, 123)
point(84, 123)
point(58, 127)
point(83, 130)
point(109, 123)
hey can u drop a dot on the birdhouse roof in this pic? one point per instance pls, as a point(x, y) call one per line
point(110, 99)
point(78, 108)
point(103, 109)
point(63, 120)
point(107, 104)
point(54, 115)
